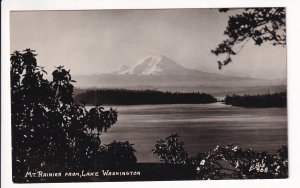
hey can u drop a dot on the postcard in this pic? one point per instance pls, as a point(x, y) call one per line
point(110, 95)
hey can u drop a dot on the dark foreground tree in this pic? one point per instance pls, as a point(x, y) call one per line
point(49, 130)
point(259, 24)
point(225, 162)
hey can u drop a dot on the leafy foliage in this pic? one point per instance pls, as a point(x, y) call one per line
point(51, 131)
point(171, 150)
point(117, 153)
point(225, 162)
point(259, 24)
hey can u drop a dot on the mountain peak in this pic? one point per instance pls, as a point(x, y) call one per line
point(155, 64)
point(156, 55)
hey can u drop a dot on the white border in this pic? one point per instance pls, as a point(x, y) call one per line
point(293, 32)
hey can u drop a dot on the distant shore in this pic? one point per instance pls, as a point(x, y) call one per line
point(136, 97)
point(278, 100)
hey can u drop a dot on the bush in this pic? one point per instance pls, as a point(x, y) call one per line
point(225, 162)
point(118, 153)
point(171, 150)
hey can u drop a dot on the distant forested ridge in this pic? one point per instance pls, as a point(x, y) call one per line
point(136, 97)
point(260, 101)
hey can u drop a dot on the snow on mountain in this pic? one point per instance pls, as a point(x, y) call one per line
point(158, 71)
point(155, 65)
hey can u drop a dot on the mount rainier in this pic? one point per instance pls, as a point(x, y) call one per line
point(155, 65)
point(160, 72)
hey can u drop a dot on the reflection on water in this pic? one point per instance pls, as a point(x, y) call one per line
point(201, 127)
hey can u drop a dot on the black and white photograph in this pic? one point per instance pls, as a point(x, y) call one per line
point(152, 94)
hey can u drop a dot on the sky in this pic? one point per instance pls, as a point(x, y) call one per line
point(99, 41)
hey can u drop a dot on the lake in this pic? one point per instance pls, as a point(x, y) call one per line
point(200, 126)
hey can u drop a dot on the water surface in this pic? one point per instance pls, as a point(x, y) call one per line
point(200, 126)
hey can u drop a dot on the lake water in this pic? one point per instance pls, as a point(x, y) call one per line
point(200, 126)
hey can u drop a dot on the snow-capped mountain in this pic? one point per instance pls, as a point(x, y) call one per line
point(160, 72)
point(155, 65)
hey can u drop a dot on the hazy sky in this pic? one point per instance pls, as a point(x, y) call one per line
point(91, 42)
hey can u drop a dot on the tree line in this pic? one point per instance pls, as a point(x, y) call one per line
point(258, 101)
point(137, 97)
